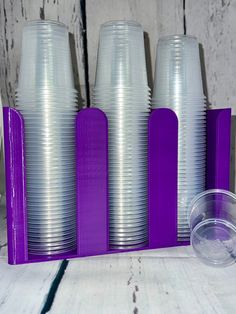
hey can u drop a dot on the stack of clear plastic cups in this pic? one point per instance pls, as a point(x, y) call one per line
point(178, 86)
point(47, 100)
point(122, 92)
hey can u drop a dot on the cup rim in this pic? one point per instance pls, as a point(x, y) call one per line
point(44, 22)
point(204, 193)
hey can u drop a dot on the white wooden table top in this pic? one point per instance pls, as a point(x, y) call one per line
point(160, 281)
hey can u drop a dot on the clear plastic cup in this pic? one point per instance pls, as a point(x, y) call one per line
point(121, 59)
point(45, 63)
point(178, 67)
point(212, 223)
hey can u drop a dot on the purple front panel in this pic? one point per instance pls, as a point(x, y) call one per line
point(15, 186)
point(218, 148)
point(163, 156)
point(92, 181)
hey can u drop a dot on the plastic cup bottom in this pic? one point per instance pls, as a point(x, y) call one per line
point(213, 241)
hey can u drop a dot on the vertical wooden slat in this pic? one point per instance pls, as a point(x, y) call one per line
point(213, 23)
point(13, 15)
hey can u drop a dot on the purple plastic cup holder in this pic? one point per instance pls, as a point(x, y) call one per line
point(92, 181)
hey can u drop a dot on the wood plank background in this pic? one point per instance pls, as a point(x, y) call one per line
point(158, 18)
point(13, 15)
point(211, 21)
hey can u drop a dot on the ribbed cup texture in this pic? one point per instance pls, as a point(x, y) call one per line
point(178, 86)
point(47, 100)
point(122, 92)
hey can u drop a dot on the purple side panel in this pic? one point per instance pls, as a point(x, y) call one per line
point(163, 156)
point(218, 148)
point(92, 181)
point(15, 186)
point(218, 155)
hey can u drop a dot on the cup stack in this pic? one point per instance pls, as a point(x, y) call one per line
point(47, 100)
point(121, 91)
point(178, 86)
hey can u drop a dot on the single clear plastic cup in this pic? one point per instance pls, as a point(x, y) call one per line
point(120, 62)
point(53, 54)
point(212, 223)
point(178, 75)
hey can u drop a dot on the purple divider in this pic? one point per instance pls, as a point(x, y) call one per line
point(15, 186)
point(218, 148)
point(162, 187)
point(92, 181)
point(218, 156)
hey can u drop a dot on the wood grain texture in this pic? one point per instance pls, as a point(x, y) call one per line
point(3, 229)
point(23, 288)
point(2, 181)
point(13, 15)
point(213, 23)
point(145, 284)
point(162, 17)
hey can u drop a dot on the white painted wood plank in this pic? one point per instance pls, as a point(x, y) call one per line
point(2, 175)
point(135, 284)
point(13, 15)
point(3, 229)
point(173, 252)
point(213, 23)
point(162, 17)
point(23, 288)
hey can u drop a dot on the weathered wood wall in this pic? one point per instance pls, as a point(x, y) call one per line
point(13, 15)
point(211, 21)
point(158, 18)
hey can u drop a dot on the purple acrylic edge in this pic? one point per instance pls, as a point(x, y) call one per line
point(15, 186)
point(92, 181)
point(218, 148)
point(218, 156)
point(163, 173)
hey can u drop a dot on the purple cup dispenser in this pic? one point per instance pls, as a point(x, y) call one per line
point(92, 179)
